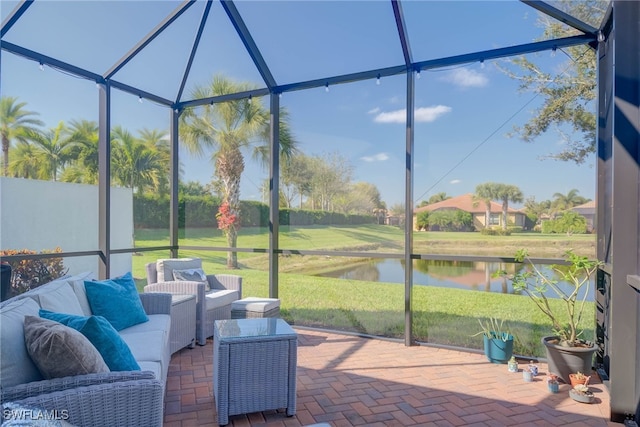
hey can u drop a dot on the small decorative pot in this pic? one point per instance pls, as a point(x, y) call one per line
point(575, 380)
point(580, 397)
point(527, 375)
point(533, 369)
point(553, 386)
point(512, 365)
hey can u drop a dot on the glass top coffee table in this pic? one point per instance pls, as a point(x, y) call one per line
point(254, 366)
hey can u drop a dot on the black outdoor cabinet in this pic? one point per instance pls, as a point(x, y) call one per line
point(5, 271)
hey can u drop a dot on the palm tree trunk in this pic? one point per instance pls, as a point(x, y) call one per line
point(487, 215)
point(229, 167)
point(5, 155)
point(505, 208)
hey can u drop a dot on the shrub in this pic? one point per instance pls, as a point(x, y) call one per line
point(28, 274)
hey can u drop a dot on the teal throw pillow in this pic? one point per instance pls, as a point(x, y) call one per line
point(102, 335)
point(117, 300)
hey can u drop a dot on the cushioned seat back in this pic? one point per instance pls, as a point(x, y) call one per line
point(16, 366)
point(165, 267)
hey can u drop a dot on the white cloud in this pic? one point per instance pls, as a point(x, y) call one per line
point(422, 114)
point(374, 110)
point(430, 114)
point(455, 181)
point(380, 157)
point(464, 77)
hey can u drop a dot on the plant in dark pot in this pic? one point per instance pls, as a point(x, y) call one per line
point(498, 341)
point(566, 350)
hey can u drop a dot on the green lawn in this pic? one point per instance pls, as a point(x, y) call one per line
point(440, 315)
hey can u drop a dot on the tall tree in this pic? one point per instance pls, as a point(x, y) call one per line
point(535, 210)
point(568, 95)
point(84, 151)
point(332, 174)
point(508, 193)
point(25, 161)
point(134, 164)
point(16, 123)
point(157, 141)
point(486, 193)
point(563, 202)
point(296, 177)
point(54, 150)
point(227, 128)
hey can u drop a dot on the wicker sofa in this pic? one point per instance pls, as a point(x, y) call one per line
point(214, 292)
point(112, 398)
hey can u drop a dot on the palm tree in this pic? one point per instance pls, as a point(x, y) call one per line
point(563, 202)
point(508, 193)
point(157, 141)
point(227, 128)
point(84, 153)
point(134, 164)
point(15, 123)
point(26, 162)
point(486, 193)
point(54, 150)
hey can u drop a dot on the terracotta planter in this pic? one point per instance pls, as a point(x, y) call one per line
point(573, 378)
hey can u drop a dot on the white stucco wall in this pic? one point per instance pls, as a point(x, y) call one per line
point(42, 215)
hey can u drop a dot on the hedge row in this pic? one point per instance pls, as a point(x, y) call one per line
point(200, 211)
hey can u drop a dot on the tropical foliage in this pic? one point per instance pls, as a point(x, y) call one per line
point(16, 124)
point(568, 93)
point(223, 130)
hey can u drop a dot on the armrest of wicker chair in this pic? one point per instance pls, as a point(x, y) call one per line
point(226, 281)
point(156, 303)
point(116, 398)
point(23, 391)
point(177, 287)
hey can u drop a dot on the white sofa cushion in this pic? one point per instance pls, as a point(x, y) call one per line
point(77, 284)
point(157, 322)
point(17, 366)
point(149, 346)
point(165, 267)
point(57, 296)
point(220, 297)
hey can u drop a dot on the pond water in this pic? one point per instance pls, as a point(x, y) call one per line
point(470, 275)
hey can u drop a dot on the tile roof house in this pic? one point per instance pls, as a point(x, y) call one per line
point(468, 203)
point(588, 211)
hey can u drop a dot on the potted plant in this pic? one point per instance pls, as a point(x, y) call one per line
point(581, 393)
point(552, 383)
point(578, 378)
point(566, 350)
point(498, 341)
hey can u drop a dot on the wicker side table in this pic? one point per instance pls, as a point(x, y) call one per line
point(183, 322)
point(254, 366)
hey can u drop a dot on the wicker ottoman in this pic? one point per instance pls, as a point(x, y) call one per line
point(253, 307)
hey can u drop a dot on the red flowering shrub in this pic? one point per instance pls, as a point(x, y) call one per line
point(226, 219)
point(28, 274)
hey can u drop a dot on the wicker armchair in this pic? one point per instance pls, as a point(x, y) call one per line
point(213, 297)
point(128, 398)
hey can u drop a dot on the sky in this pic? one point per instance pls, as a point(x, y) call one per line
point(463, 114)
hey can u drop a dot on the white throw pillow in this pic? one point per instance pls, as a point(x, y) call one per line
point(165, 267)
point(191, 274)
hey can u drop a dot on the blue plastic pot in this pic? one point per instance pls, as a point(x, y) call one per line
point(498, 350)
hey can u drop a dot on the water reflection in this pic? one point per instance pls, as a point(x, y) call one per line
point(471, 275)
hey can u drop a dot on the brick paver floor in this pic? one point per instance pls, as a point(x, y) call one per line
point(346, 380)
